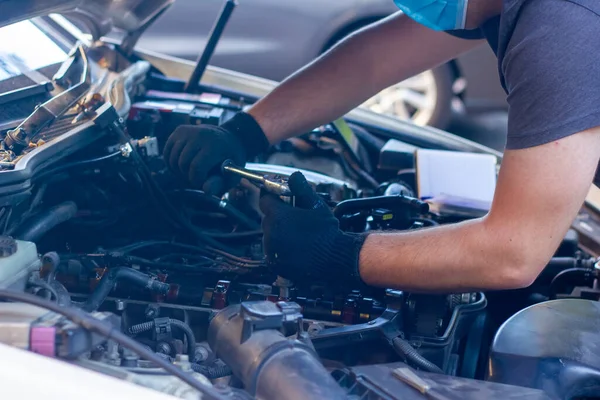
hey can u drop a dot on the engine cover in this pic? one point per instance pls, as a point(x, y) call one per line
point(551, 346)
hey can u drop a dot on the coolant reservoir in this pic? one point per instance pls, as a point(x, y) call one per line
point(17, 260)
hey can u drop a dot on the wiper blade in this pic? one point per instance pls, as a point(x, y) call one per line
point(76, 67)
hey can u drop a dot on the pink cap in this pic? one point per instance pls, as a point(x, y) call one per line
point(42, 340)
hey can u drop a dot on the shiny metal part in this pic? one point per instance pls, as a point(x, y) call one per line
point(76, 67)
point(337, 189)
point(272, 183)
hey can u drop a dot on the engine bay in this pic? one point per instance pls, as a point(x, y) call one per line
point(92, 219)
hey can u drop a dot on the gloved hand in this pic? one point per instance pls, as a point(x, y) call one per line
point(196, 152)
point(305, 242)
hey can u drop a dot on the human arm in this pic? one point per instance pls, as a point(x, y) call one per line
point(553, 151)
point(553, 148)
point(358, 67)
point(354, 70)
point(539, 192)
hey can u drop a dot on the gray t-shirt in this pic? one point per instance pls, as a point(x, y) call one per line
point(549, 64)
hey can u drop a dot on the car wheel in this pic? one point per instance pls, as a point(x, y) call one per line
point(425, 99)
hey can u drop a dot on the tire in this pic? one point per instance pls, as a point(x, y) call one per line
point(425, 99)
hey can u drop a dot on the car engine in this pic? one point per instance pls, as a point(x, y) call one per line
point(93, 221)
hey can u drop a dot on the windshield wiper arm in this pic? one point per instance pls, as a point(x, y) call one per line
point(76, 67)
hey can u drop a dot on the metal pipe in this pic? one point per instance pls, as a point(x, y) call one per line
point(270, 365)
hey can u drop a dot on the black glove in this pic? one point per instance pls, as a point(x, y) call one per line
point(197, 151)
point(305, 242)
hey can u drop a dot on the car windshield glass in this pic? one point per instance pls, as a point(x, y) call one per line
point(26, 51)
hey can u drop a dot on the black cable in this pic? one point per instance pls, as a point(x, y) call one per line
point(570, 277)
point(410, 354)
point(114, 275)
point(181, 256)
point(203, 250)
point(225, 206)
point(236, 258)
point(78, 163)
point(205, 266)
point(234, 235)
point(371, 141)
point(110, 333)
point(558, 264)
point(175, 323)
point(197, 267)
point(170, 212)
point(213, 371)
point(189, 334)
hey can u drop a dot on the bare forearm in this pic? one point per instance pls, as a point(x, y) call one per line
point(507, 249)
point(352, 72)
point(460, 257)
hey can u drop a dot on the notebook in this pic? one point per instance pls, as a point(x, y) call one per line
point(456, 182)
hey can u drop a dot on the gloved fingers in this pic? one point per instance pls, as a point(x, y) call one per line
point(169, 147)
point(270, 204)
point(187, 155)
point(214, 185)
point(173, 160)
point(200, 166)
point(304, 194)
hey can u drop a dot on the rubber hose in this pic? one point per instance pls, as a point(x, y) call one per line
point(404, 349)
point(108, 281)
point(64, 298)
point(175, 323)
point(558, 264)
point(191, 339)
point(226, 207)
point(40, 224)
point(570, 277)
point(45, 286)
point(211, 371)
point(374, 143)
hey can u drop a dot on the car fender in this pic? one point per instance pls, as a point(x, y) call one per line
point(346, 19)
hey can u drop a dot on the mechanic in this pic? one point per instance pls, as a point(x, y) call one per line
point(550, 69)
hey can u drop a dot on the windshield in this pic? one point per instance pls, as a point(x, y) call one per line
point(26, 51)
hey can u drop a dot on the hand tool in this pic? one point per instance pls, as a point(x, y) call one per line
point(274, 184)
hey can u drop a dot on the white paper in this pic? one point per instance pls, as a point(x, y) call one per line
point(458, 175)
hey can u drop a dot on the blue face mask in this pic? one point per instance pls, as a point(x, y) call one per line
point(439, 15)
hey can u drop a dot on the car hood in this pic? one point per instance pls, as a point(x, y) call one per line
point(100, 16)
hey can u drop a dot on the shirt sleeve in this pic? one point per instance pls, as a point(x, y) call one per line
point(551, 72)
point(471, 34)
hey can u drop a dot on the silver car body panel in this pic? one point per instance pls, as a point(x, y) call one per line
point(273, 39)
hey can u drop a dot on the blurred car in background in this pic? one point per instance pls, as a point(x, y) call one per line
point(274, 38)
